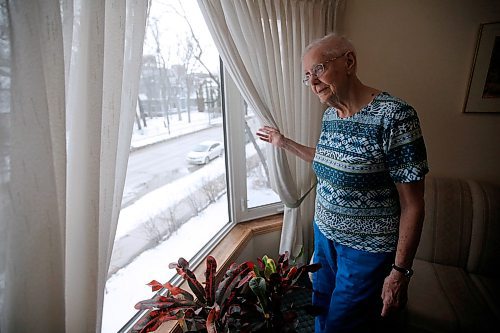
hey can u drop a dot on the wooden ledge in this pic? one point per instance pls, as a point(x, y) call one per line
point(228, 249)
point(231, 246)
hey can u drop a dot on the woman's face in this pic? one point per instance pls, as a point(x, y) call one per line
point(326, 74)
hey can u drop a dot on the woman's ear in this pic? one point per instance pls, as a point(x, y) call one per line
point(350, 62)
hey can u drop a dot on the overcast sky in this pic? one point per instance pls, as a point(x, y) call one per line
point(173, 30)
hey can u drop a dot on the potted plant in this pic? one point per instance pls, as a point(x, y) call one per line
point(248, 298)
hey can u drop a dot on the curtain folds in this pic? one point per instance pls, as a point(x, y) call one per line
point(74, 82)
point(261, 44)
point(36, 175)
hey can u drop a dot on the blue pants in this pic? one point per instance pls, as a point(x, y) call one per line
point(347, 288)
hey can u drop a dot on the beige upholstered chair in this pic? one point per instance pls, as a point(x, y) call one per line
point(456, 285)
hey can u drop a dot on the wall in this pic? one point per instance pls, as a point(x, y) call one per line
point(422, 51)
point(260, 245)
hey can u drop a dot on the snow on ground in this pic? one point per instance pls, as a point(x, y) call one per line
point(153, 203)
point(128, 286)
point(157, 130)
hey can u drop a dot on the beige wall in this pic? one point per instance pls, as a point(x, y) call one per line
point(260, 245)
point(422, 51)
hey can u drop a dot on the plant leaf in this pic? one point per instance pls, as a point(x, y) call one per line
point(283, 263)
point(247, 278)
point(293, 278)
point(155, 285)
point(261, 264)
point(181, 320)
point(230, 281)
point(210, 280)
point(152, 321)
point(193, 283)
point(178, 291)
point(258, 286)
point(292, 273)
point(169, 303)
point(211, 320)
point(183, 263)
point(270, 267)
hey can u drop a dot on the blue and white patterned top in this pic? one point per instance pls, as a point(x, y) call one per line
point(358, 159)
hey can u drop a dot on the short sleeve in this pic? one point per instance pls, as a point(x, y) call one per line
point(406, 154)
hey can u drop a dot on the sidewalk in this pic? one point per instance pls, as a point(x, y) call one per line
point(158, 130)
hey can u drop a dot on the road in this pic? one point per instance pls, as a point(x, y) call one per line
point(158, 164)
point(148, 169)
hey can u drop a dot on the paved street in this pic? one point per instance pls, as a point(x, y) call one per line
point(160, 163)
point(150, 168)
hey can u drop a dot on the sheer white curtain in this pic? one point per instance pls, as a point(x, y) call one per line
point(63, 171)
point(261, 44)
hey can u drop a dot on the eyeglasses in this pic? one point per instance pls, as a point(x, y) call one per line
point(318, 70)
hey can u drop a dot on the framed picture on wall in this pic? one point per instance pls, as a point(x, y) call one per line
point(483, 93)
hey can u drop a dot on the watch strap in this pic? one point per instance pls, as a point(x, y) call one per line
point(407, 272)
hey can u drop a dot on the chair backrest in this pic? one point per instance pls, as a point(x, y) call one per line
point(462, 225)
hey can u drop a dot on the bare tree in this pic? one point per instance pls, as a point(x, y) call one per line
point(197, 50)
point(197, 53)
point(187, 61)
point(195, 202)
point(172, 223)
point(162, 71)
point(213, 188)
point(152, 229)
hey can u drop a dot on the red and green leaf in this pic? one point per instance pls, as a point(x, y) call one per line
point(152, 321)
point(210, 280)
point(211, 321)
point(231, 281)
point(179, 291)
point(228, 303)
point(283, 263)
point(247, 278)
point(169, 303)
point(261, 264)
point(193, 283)
point(292, 273)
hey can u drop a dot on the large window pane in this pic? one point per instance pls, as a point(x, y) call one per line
point(259, 190)
point(175, 198)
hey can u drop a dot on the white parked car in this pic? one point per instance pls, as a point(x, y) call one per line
point(204, 152)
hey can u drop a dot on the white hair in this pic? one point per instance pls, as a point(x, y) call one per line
point(333, 44)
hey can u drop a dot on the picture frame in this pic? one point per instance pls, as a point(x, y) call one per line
point(483, 92)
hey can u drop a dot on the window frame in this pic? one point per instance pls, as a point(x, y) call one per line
point(236, 179)
point(236, 157)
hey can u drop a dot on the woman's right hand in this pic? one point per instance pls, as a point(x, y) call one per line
point(271, 135)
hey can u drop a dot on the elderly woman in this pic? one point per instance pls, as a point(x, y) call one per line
point(370, 162)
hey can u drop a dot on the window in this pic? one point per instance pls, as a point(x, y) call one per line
point(251, 192)
point(258, 183)
point(192, 148)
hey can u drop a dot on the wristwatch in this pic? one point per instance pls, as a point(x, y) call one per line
point(407, 272)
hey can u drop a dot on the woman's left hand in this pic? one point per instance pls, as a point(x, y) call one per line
point(394, 293)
